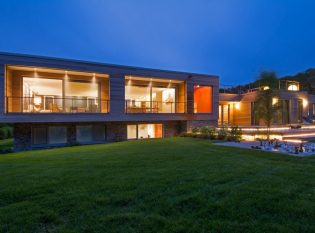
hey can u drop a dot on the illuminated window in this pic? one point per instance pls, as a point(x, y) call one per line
point(132, 132)
point(143, 131)
point(293, 87)
point(202, 99)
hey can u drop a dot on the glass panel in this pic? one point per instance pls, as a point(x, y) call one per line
point(226, 112)
point(163, 100)
point(42, 95)
point(39, 135)
point(57, 134)
point(150, 131)
point(220, 115)
point(99, 133)
point(131, 131)
point(137, 99)
point(202, 99)
point(84, 133)
point(82, 97)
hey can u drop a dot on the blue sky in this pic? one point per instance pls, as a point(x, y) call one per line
point(235, 39)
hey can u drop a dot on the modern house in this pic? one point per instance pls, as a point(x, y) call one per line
point(58, 102)
point(295, 106)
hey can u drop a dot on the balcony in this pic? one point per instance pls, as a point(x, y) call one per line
point(56, 105)
point(154, 95)
point(154, 107)
point(46, 90)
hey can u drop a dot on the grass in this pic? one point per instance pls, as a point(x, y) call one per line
point(172, 185)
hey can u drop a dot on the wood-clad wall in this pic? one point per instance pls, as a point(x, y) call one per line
point(242, 116)
point(115, 90)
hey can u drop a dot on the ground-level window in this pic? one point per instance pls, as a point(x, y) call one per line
point(42, 135)
point(131, 131)
point(143, 131)
point(202, 99)
point(39, 135)
point(57, 134)
point(90, 133)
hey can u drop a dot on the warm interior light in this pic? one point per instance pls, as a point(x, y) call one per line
point(274, 101)
point(293, 87)
point(37, 100)
point(266, 88)
point(305, 103)
point(237, 106)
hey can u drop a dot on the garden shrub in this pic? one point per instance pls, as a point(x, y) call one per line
point(223, 133)
point(210, 132)
point(235, 134)
point(195, 130)
point(9, 130)
point(3, 133)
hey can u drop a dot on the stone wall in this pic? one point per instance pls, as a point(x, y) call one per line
point(115, 131)
point(172, 128)
point(22, 137)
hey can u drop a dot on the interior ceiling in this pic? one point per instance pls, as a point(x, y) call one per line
point(153, 79)
point(56, 71)
point(44, 86)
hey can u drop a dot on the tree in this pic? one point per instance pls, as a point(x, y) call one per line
point(266, 102)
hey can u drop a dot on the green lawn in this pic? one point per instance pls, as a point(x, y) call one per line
point(172, 185)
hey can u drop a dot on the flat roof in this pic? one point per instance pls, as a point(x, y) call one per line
point(102, 64)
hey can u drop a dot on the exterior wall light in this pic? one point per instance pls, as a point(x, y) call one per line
point(305, 103)
point(274, 101)
point(237, 106)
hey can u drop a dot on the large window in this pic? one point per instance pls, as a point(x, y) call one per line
point(132, 132)
point(138, 99)
point(39, 135)
point(82, 96)
point(57, 134)
point(90, 133)
point(42, 95)
point(154, 97)
point(49, 135)
point(145, 131)
point(202, 99)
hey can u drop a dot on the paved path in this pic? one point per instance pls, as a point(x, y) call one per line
point(248, 145)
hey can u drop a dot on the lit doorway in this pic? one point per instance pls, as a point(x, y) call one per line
point(224, 114)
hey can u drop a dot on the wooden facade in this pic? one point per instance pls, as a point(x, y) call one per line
point(243, 115)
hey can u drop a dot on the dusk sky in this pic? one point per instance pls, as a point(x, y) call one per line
point(235, 39)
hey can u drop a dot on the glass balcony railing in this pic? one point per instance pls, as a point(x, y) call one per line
point(154, 107)
point(50, 104)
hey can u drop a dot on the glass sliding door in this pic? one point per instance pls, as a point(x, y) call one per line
point(42, 95)
point(144, 96)
point(131, 131)
point(163, 100)
point(138, 99)
point(144, 131)
point(224, 114)
point(82, 96)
